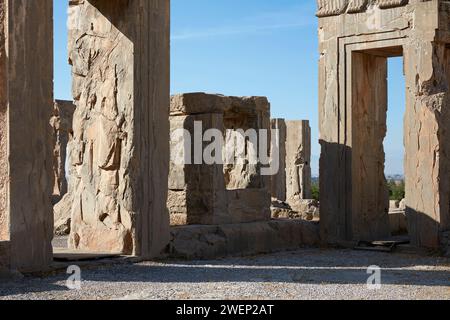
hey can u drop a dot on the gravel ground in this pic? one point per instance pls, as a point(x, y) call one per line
point(305, 274)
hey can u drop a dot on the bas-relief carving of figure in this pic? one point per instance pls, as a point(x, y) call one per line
point(61, 123)
point(337, 7)
point(101, 213)
point(298, 172)
point(299, 164)
point(300, 183)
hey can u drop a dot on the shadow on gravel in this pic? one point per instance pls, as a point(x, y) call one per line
point(328, 258)
point(305, 275)
point(31, 285)
point(303, 267)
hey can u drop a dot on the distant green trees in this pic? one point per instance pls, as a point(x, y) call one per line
point(315, 190)
point(396, 190)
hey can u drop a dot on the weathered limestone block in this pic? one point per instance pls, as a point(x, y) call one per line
point(298, 161)
point(398, 222)
point(61, 123)
point(384, 4)
point(304, 209)
point(119, 52)
point(248, 205)
point(176, 202)
point(196, 191)
point(292, 183)
point(337, 7)
point(201, 193)
point(427, 141)
point(281, 210)
point(26, 97)
point(246, 114)
point(355, 6)
point(62, 212)
point(278, 180)
point(331, 7)
point(216, 241)
point(308, 209)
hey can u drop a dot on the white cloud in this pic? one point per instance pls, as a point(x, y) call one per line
point(228, 31)
point(291, 18)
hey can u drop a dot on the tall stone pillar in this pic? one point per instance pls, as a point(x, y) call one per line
point(298, 161)
point(26, 98)
point(278, 181)
point(61, 123)
point(197, 192)
point(119, 51)
point(427, 137)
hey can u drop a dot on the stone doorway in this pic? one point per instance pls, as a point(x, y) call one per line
point(369, 110)
point(355, 42)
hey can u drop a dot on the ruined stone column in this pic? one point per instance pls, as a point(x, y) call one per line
point(26, 97)
point(427, 138)
point(196, 190)
point(119, 52)
point(214, 193)
point(278, 181)
point(248, 190)
point(61, 123)
point(298, 161)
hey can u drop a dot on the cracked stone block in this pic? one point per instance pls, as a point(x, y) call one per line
point(217, 193)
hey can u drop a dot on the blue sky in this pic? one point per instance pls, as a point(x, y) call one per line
point(250, 47)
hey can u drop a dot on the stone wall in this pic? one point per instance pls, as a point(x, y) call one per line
point(201, 193)
point(218, 241)
point(119, 52)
